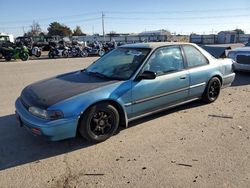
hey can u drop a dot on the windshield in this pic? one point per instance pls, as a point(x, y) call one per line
point(4, 38)
point(120, 63)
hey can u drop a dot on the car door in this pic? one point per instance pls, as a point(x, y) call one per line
point(170, 85)
point(199, 69)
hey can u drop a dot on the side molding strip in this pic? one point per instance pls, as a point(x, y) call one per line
point(197, 85)
point(164, 94)
point(162, 109)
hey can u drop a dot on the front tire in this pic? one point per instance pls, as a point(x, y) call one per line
point(85, 53)
point(101, 53)
point(99, 122)
point(24, 56)
point(212, 90)
point(65, 54)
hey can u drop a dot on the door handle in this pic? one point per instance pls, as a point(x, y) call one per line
point(183, 77)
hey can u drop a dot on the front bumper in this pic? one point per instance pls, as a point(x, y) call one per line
point(53, 130)
point(242, 67)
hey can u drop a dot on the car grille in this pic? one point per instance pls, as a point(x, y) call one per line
point(243, 59)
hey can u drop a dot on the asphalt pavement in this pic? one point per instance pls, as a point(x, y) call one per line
point(194, 145)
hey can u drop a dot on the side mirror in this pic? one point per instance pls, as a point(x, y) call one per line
point(147, 75)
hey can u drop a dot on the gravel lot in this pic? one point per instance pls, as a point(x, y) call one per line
point(194, 145)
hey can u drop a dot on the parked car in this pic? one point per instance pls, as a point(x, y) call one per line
point(241, 57)
point(130, 82)
point(217, 50)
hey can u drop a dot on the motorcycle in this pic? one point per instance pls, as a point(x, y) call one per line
point(94, 49)
point(15, 53)
point(109, 46)
point(35, 51)
point(58, 52)
point(76, 51)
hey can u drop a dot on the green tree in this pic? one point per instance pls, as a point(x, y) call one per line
point(56, 28)
point(78, 31)
point(239, 31)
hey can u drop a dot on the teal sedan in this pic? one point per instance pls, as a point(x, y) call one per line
point(128, 83)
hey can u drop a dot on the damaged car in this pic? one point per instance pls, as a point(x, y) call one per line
point(130, 82)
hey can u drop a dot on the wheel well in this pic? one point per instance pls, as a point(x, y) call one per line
point(218, 76)
point(122, 115)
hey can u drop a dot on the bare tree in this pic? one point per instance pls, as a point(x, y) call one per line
point(35, 28)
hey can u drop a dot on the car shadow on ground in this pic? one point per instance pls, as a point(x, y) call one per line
point(18, 147)
point(241, 79)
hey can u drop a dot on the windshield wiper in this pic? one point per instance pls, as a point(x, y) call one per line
point(98, 74)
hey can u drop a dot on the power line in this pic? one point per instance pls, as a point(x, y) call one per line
point(129, 23)
point(129, 12)
point(177, 18)
point(137, 19)
point(44, 25)
point(51, 18)
point(178, 11)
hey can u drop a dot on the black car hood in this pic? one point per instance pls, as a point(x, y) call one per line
point(51, 91)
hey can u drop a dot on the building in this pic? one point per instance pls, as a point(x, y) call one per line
point(147, 36)
point(226, 37)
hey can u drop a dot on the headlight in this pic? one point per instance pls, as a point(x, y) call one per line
point(46, 114)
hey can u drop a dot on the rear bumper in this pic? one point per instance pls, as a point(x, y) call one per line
point(228, 79)
point(52, 130)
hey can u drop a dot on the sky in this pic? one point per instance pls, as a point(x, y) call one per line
point(127, 16)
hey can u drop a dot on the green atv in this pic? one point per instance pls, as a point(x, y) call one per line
point(15, 53)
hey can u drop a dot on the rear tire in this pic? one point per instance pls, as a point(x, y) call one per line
point(81, 53)
point(7, 57)
point(99, 122)
point(212, 90)
point(39, 53)
point(51, 55)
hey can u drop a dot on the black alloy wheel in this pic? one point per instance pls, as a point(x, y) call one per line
point(99, 122)
point(212, 91)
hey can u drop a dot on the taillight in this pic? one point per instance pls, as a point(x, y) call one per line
point(36, 131)
point(233, 65)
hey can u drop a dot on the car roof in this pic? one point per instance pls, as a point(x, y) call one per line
point(152, 45)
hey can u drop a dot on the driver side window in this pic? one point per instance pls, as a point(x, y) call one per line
point(165, 60)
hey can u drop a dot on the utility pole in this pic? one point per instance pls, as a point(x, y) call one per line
point(103, 31)
point(23, 30)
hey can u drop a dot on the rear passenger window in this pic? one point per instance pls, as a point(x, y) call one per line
point(194, 56)
point(165, 60)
